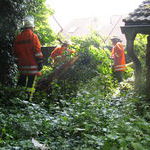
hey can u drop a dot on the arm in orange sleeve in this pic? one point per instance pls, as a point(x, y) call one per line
point(55, 53)
point(37, 49)
point(112, 53)
point(119, 50)
point(38, 52)
point(71, 51)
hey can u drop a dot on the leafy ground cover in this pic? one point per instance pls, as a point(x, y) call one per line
point(118, 121)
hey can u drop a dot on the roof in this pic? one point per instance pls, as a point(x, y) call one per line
point(106, 27)
point(140, 16)
point(81, 26)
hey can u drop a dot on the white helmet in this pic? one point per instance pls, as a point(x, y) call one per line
point(28, 22)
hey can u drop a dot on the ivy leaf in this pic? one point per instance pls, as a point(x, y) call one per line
point(137, 146)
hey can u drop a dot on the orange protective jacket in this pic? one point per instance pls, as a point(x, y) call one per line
point(119, 57)
point(59, 51)
point(27, 49)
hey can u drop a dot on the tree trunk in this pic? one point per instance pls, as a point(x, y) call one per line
point(45, 83)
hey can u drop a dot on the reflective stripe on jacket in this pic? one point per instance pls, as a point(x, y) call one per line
point(27, 49)
point(119, 57)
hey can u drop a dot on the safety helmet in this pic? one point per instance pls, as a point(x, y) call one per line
point(115, 38)
point(65, 44)
point(28, 22)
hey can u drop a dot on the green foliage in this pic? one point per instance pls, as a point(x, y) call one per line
point(43, 29)
point(129, 72)
point(88, 121)
point(10, 14)
point(140, 47)
point(85, 111)
point(93, 61)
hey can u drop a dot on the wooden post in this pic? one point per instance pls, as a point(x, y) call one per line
point(148, 67)
point(130, 36)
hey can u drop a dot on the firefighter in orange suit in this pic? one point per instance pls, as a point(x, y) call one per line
point(59, 53)
point(27, 49)
point(119, 58)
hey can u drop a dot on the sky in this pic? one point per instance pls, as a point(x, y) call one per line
point(67, 10)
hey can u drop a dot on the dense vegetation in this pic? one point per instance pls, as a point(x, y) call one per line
point(86, 110)
point(93, 113)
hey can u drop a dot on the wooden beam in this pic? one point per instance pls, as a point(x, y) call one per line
point(143, 29)
point(148, 67)
point(130, 37)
